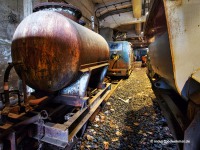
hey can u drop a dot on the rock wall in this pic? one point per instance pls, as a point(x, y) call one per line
point(11, 14)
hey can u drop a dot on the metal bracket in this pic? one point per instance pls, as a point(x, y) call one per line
point(79, 87)
point(62, 135)
point(55, 134)
point(161, 84)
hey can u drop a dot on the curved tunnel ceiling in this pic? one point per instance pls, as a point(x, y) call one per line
point(111, 7)
point(121, 15)
point(113, 12)
point(107, 12)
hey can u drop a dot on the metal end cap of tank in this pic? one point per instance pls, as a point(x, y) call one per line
point(65, 7)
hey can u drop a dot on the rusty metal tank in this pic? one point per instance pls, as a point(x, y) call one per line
point(121, 58)
point(53, 49)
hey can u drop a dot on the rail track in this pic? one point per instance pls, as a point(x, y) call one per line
point(114, 85)
point(68, 126)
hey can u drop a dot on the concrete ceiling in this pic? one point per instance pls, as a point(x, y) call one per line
point(126, 16)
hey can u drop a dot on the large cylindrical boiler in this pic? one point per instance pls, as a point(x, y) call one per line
point(52, 49)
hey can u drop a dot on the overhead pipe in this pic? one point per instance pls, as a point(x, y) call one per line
point(100, 13)
point(138, 28)
point(137, 13)
point(116, 11)
point(111, 5)
point(5, 86)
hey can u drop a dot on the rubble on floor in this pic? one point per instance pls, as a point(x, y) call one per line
point(131, 119)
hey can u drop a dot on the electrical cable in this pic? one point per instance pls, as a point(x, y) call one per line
point(111, 15)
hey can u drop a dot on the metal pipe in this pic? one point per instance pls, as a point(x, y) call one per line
point(37, 101)
point(6, 87)
point(111, 9)
point(138, 28)
point(137, 8)
point(24, 86)
point(92, 22)
point(144, 6)
point(6, 109)
point(137, 13)
point(111, 5)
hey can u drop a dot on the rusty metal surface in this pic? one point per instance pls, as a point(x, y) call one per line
point(55, 134)
point(52, 131)
point(172, 31)
point(67, 10)
point(159, 48)
point(161, 59)
point(62, 135)
point(79, 87)
point(53, 48)
point(156, 21)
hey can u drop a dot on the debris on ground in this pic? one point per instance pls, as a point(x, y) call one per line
point(131, 119)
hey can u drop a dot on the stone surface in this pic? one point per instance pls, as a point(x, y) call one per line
point(11, 14)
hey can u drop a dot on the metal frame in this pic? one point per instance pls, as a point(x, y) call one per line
point(73, 107)
point(60, 134)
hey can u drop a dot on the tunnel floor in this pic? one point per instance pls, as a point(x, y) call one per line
point(131, 119)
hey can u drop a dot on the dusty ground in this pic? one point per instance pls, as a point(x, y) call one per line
point(131, 119)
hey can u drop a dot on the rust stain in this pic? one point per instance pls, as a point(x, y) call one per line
point(53, 48)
